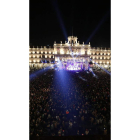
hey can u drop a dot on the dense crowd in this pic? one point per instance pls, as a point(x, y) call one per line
point(62, 104)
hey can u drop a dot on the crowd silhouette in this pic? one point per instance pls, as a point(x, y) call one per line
point(62, 104)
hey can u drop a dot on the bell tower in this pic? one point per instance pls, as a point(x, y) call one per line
point(72, 39)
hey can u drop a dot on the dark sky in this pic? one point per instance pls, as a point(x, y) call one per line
point(52, 20)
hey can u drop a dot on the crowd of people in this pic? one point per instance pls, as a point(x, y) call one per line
point(62, 104)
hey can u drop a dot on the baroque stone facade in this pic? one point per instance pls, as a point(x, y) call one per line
point(70, 51)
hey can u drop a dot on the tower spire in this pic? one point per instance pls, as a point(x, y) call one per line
point(72, 31)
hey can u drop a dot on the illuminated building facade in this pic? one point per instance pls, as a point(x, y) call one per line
point(70, 52)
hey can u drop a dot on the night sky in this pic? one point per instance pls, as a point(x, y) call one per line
point(53, 20)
